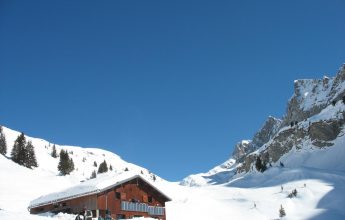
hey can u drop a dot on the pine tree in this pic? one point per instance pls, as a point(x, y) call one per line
point(103, 167)
point(3, 145)
point(18, 153)
point(260, 166)
point(70, 166)
point(66, 164)
point(110, 167)
point(30, 159)
point(95, 164)
point(54, 154)
point(93, 174)
point(126, 169)
point(281, 212)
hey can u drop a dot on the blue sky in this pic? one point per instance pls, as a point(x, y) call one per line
point(171, 86)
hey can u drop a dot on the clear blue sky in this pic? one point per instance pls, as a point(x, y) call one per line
point(168, 85)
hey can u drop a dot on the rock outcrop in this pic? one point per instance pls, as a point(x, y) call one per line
point(314, 119)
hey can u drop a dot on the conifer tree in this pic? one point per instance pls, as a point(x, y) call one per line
point(70, 165)
point(93, 174)
point(110, 167)
point(66, 164)
point(30, 159)
point(3, 145)
point(260, 166)
point(103, 167)
point(54, 153)
point(95, 164)
point(126, 169)
point(281, 212)
point(18, 153)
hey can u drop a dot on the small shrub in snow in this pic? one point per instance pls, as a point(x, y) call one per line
point(282, 212)
point(293, 194)
point(281, 164)
point(93, 174)
point(95, 164)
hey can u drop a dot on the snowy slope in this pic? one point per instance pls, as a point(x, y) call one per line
point(20, 185)
point(320, 198)
point(83, 158)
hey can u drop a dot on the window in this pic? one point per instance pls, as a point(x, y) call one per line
point(150, 199)
point(117, 195)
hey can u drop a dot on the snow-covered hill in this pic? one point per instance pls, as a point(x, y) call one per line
point(20, 185)
point(83, 158)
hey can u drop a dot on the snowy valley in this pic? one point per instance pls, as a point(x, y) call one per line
point(303, 153)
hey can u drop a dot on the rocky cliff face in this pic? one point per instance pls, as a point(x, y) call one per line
point(266, 132)
point(314, 120)
point(313, 95)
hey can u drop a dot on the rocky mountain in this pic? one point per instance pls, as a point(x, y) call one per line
point(313, 125)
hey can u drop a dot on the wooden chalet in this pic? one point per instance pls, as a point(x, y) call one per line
point(121, 197)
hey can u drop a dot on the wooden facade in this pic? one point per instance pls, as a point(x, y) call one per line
point(132, 198)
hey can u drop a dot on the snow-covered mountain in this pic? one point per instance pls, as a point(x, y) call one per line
point(310, 134)
point(309, 141)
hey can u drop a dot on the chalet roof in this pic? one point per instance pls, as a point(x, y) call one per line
point(90, 187)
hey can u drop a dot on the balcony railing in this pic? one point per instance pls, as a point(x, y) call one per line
point(142, 207)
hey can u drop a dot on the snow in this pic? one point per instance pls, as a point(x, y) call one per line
point(322, 198)
point(237, 198)
point(84, 169)
point(20, 185)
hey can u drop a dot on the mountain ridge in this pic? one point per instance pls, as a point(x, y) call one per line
point(315, 118)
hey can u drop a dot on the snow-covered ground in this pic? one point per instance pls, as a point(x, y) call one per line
point(320, 195)
point(20, 185)
point(259, 196)
point(318, 176)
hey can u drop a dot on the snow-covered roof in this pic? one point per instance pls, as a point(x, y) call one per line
point(93, 186)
